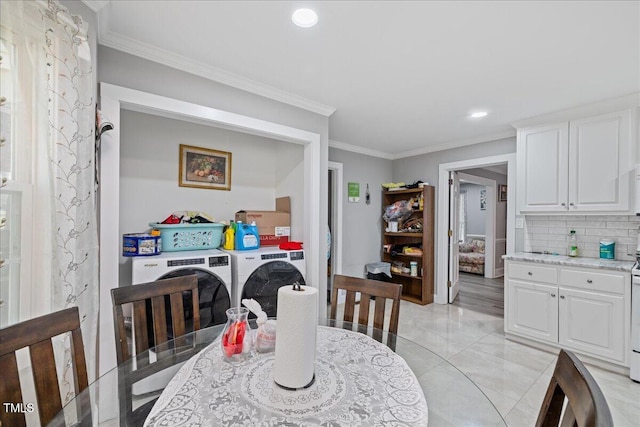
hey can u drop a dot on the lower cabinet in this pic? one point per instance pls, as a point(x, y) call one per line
point(586, 310)
point(532, 310)
point(592, 322)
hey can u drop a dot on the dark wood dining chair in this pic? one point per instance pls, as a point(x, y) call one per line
point(586, 405)
point(369, 289)
point(36, 334)
point(156, 306)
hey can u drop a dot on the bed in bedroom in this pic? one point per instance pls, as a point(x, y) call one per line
point(471, 256)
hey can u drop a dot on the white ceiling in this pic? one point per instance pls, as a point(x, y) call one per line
point(401, 76)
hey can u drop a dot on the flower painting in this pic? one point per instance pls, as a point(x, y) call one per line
point(204, 168)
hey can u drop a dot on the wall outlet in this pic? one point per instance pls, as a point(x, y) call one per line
point(519, 222)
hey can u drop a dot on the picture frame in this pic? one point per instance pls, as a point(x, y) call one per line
point(483, 200)
point(502, 193)
point(204, 168)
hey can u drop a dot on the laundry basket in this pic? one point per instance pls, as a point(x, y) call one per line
point(189, 237)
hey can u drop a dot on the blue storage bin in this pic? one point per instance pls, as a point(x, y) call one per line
point(189, 237)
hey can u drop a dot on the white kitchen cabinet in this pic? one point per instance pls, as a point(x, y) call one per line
point(591, 322)
point(582, 165)
point(543, 161)
point(582, 309)
point(532, 310)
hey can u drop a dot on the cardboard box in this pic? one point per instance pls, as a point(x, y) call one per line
point(274, 227)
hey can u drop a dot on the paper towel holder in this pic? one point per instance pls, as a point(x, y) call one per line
point(313, 380)
point(297, 287)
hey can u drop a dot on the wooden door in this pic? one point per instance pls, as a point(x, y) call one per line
point(454, 223)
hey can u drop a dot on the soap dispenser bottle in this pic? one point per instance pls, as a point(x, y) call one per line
point(573, 243)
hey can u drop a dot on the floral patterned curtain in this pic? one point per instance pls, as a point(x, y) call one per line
point(60, 88)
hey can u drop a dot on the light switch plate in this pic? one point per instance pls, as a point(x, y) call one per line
point(519, 222)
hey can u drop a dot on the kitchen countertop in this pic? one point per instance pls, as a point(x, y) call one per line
point(605, 264)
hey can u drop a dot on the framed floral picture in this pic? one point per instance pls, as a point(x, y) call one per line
point(204, 168)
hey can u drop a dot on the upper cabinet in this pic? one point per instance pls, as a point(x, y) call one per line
point(583, 165)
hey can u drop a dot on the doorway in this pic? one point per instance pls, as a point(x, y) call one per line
point(445, 293)
point(334, 232)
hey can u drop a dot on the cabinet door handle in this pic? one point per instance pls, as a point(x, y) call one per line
point(589, 281)
point(561, 296)
point(530, 273)
point(563, 204)
point(571, 204)
point(553, 295)
point(1, 262)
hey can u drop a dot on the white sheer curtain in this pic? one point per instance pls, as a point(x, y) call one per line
point(57, 121)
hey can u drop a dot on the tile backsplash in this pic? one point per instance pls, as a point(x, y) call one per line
point(551, 233)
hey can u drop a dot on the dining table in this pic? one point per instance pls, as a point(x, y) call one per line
point(358, 380)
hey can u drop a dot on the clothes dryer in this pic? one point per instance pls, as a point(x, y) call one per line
point(213, 268)
point(259, 273)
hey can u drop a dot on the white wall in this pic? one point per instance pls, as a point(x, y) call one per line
point(361, 235)
point(476, 217)
point(149, 191)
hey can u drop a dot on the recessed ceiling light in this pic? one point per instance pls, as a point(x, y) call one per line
point(479, 114)
point(304, 18)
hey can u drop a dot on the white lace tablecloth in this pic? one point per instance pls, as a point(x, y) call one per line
point(359, 382)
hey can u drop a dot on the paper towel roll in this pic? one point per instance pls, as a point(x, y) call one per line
point(296, 328)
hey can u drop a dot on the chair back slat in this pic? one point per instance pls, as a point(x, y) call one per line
point(378, 314)
point(45, 379)
point(177, 315)
point(363, 312)
point(368, 288)
point(36, 334)
point(10, 390)
point(349, 306)
point(139, 327)
point(586, 405)
point(195, 303)
point(159, 320)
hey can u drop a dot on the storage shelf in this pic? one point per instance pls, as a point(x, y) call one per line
point(401, 254)
point(402, 234)
point(405, 191)
point(416, 289)
point(405, 275)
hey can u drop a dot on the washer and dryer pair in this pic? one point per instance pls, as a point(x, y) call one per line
point(227, 277)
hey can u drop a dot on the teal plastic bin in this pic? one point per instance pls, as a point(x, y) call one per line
point(189, 237)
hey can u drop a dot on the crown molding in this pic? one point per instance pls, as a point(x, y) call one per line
point(455, 144)
point(173, 60)
point(595, 108)
point(95, 5)
point(360, 150)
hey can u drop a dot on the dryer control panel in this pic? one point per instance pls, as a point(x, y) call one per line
point(218, 261)
point(295, 256)
point(283, 255)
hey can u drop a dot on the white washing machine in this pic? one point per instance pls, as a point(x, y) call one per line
point(259, 273)
point(213, 268)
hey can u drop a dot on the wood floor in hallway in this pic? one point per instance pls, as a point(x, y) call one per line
point(480, 294)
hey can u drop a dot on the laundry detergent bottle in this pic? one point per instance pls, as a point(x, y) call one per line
point(230, 237)
point(247, 237)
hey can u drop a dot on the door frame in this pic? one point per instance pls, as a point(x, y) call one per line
point(336, 220)
point(490, 221)
point(442, 258)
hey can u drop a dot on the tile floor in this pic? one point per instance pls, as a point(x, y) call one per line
point(513, 376)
